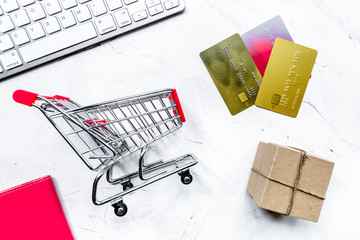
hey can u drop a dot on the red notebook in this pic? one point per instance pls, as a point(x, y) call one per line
point(33, 211)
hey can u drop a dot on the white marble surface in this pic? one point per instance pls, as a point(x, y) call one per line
point(166, 54)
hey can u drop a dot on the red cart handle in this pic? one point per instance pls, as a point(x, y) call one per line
point(178, 105)
point(28, 98)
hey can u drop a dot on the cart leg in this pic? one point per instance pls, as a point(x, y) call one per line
point(120, 208)
point(186, 177)
point(142, 166)
point(109, 175)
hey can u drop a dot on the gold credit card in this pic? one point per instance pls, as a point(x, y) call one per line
point(233, 72)
point(286, 77)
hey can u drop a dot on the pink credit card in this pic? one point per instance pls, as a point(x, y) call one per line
point(260, 40)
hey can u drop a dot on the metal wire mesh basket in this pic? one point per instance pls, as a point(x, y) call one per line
point(104, 133)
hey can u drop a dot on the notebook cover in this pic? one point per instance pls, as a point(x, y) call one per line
point(33, 211)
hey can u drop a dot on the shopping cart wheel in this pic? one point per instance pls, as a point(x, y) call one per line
point(127, 185)
point(186, 177)
point(120, 209)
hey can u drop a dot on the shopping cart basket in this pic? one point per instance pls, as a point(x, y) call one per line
point(102, 134)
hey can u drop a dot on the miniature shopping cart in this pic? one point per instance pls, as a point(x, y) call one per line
point(104, 134)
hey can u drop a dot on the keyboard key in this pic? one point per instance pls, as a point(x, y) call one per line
point(36, 12)
point(51, 25)
point(57, 42)
point(127, 2)
point(122, 18)
point(82, 13)
point(36, 31)
point(105, 24)
point(20, 36)
point(152, 3)
point(171, 4)
point(155, 10)
point(9, 5)
point(52, 6)
point(98, 7)
point(1, 70)
point(6, 24)
point(20, 18)
point(10, 60)
point(26, 2)
point(5, 43)
point(68, 3)
point(67, 19)
point(140, 15)
point(114, 4)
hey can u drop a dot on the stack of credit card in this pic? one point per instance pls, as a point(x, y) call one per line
point(262, 67)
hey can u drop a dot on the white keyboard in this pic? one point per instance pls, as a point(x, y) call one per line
point(36, 31)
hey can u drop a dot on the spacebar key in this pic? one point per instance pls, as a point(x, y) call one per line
point(57, 42)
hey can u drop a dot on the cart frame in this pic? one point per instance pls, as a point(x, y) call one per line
point(101, 127)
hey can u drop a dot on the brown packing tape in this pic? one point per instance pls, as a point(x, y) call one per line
point(298, 175)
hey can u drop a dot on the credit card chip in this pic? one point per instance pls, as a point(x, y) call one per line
point(243, 97)
point(276, 99)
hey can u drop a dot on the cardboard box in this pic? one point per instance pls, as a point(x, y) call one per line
point(289, 181)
